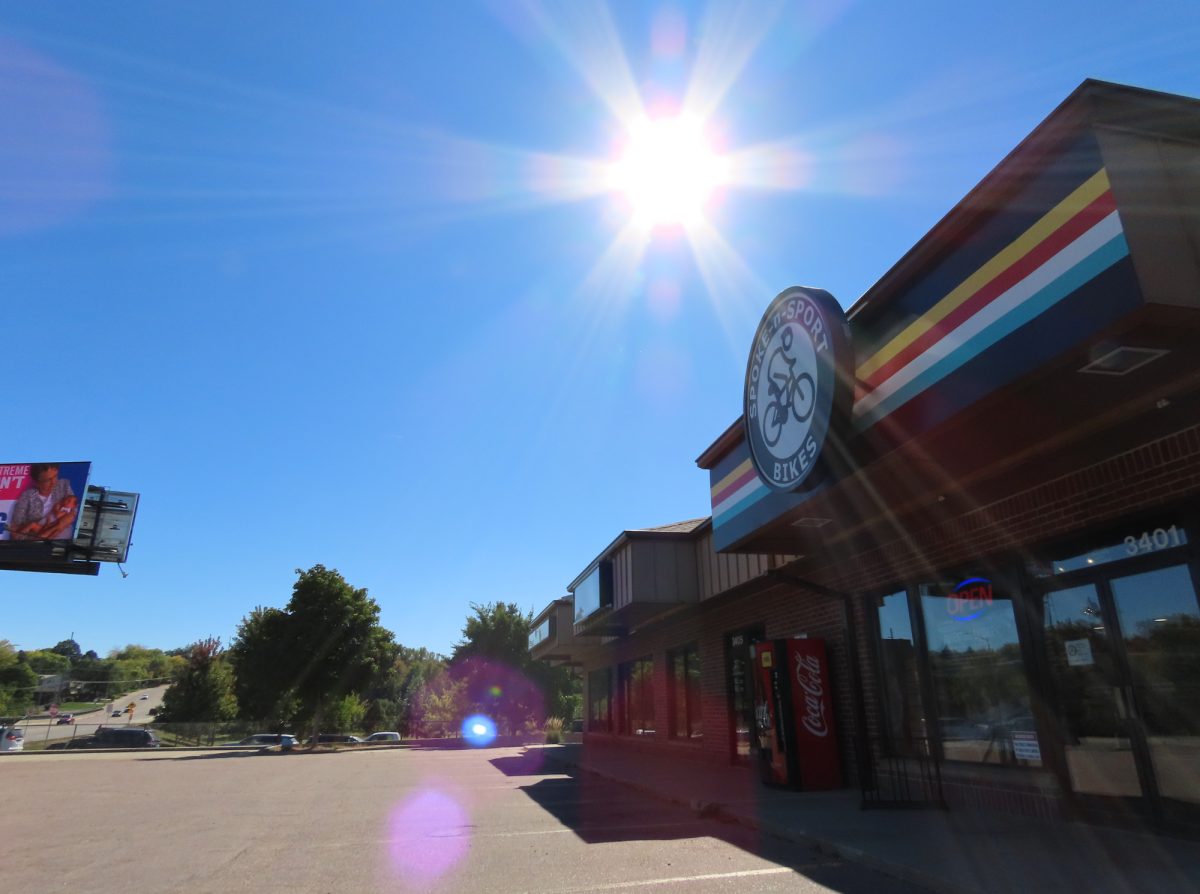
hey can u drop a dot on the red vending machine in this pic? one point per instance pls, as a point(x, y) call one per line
point(793, 715)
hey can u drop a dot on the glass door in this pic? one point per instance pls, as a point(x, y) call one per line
point(1160, 630)
point(741, 692)
point(1091, 698)
point(1123, 651)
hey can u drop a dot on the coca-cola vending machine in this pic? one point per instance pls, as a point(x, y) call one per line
point(793, 715)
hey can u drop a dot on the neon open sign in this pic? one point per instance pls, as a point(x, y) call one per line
point(970, 599)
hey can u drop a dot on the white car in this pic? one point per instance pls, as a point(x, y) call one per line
point(263, 740)
point(12, 738)
point(382, 737)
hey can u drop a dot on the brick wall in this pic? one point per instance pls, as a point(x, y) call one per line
point(1161, 472)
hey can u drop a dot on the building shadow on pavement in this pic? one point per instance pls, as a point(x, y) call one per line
point(600, 811)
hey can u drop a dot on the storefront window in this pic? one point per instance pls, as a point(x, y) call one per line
point(903, 709)
point(637, 697)
point(543, 631)
point(600, 701)
point(685, 693)
point(1160, 624)
point(1089, 699)
point(978, 675)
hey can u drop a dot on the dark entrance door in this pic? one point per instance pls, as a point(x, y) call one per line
point(741, 691)
point(1122, 643)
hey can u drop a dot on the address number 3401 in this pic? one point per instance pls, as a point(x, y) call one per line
point(1159, 538)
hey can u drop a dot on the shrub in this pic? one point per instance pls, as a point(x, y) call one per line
point(554, 729)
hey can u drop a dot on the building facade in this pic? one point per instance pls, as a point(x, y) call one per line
point(999, 543)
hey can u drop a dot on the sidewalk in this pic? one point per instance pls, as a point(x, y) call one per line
point(963, 851)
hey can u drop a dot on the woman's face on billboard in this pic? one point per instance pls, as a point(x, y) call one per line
point(45, 482)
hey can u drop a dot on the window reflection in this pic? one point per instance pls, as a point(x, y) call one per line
point(903, 710)
point(978, 675)
point(600, 700)
point(637, 697)
point(685, 692)
point(1160, 623)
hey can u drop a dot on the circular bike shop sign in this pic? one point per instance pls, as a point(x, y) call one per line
point(792, 385)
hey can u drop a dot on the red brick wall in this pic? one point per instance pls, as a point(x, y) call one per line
point(1161, 472)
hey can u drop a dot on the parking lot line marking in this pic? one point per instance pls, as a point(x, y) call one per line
point(594, 829)
point(616, 886)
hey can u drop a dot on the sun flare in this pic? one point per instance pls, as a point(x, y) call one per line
point(668, 171)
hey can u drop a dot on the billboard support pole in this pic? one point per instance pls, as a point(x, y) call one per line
point(96, 523)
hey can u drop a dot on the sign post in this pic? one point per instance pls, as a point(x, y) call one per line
point(50, 722)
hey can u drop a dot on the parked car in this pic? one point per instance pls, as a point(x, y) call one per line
point(12, 738)
point(119, 737)
point(65, 719)
point(336, 739)
point(262, 740)
point(383, 737)
point(154, 712)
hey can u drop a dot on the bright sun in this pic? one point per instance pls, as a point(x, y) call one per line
point(668, 171)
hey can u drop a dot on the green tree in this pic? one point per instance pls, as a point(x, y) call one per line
point(47, 662)
point(204, 689)
point(324, 645)
point(499, 634)
point(17, 682)
point(262, 678)
point(337, 645)
point(345, 713)
point(68, 649)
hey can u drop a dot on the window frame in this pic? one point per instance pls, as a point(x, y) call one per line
point(605, 725)
point(692, 716)
point(626, 673)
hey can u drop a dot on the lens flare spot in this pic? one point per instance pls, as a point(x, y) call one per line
point(479, 730)
point(427, 834)
point(496, 691)
point(668, 171)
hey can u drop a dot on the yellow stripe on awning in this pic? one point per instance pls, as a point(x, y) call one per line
point(1091, 190)
point(731, 477)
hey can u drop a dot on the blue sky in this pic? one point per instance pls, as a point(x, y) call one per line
point(323, 286)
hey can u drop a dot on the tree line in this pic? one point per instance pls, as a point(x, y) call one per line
point(86, 676)
point(324, 662)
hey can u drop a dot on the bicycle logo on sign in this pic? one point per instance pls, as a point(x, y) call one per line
point(792, 396)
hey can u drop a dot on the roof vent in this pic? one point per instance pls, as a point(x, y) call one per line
point(810, 522)
point(1122, 360)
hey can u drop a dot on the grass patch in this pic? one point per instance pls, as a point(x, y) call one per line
point(74, 707)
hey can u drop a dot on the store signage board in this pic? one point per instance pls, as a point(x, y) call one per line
point(41, 501)
point(1079, 652)
point(795, 387)
point(970, 599)
point(1025, 746)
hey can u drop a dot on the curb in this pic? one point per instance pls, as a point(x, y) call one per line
point(825, 846)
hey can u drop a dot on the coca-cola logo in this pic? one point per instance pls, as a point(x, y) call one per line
point(808, 676)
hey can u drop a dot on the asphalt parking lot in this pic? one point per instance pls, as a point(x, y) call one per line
point(493, 821)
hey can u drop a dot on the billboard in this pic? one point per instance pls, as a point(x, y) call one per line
point(107, 524)
point(41, 501)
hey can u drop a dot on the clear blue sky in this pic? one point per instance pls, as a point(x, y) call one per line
point(320, 282)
